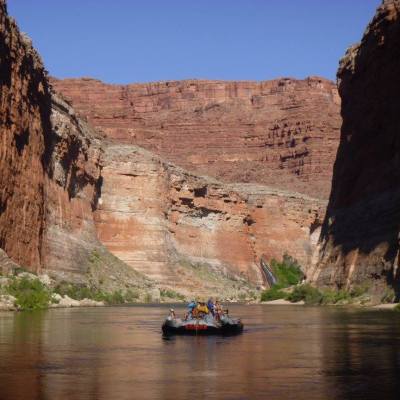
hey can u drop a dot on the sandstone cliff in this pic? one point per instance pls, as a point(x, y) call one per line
point(178, 227)
point(24, 124)
point(360, 238)
point(282, 133)
point(67, 195)
point(50, 173)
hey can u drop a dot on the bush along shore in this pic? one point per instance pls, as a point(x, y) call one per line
point(289, 289)
point(23, 290)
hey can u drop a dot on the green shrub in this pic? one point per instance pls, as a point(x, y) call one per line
point(148, 298)
point(273, 294)
point(307, 293)
point(287, 273)
point(335, 296)
point(114, 298)
point(396, 307)
point(30, 294)
point(171, 294)
point(359, 290)
point(80, 292)
point(131, 296)
point(388, 296)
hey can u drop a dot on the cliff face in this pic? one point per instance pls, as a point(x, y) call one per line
point(49, 165)
point(67, 195)
point(171, 224)
point(50, 174)
point(24, 125)
point(282, 133)
point(360, 238)
point(73, 178)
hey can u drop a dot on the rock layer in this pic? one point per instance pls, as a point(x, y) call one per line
point(64, 192)
point(159, 218)
point(360, 238)
point(24, 125)
point(50, 175)
point(282, 133)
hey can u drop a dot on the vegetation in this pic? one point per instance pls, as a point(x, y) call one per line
point(306, 293)
point(171, 294)
point(388, 296)
point(30, 294)
point(80, 292)
point(287, 273)
point(312, 295)
point(273, 294)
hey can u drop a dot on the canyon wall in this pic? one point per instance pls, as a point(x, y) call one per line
point(282, 133)
point(79, 206)
point(174, 226)
point(50, 175)
point(360, 237)
point(24, 124)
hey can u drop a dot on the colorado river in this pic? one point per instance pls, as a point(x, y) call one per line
point(285, 352)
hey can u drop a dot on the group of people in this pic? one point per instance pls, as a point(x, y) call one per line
point(199, 309)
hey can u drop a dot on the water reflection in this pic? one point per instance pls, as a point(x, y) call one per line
point(119, 353)
point(362, 353)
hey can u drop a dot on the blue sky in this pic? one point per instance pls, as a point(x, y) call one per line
point(126, 41)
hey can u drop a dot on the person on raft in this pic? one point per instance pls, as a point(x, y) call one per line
point(200, 310)
point(211, 306)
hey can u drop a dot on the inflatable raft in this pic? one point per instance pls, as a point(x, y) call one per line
point(203, 326)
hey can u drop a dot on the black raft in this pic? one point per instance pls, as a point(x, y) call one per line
point(202, 326)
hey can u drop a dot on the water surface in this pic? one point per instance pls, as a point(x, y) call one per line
point(285, 352)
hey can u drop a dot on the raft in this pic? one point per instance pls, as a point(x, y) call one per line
point(205, 326)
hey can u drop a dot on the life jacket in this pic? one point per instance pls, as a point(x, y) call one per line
point(203, 309)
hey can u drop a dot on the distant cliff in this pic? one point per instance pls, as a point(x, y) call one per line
point(360, 237)
point(168, 223)
point(282, 133)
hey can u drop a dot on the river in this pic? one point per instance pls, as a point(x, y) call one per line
point(285, 352)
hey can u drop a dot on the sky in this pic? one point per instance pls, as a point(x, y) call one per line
point(126, 41)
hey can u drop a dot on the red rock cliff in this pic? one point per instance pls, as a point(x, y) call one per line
point(63, 188)
point(25, 126)
point(360, 240)
point(50, 173)
point(169, 223)
point(282, 133)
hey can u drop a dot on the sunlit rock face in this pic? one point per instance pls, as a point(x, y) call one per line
point(157, 218)
point(282, 133)
point(360, 238)
point(73, 179)
point(65, 190)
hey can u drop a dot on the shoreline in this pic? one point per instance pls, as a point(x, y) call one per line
point(88, 303)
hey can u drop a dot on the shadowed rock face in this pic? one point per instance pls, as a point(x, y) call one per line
point(282, 133)
point(360, 237)
point(24, 125)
